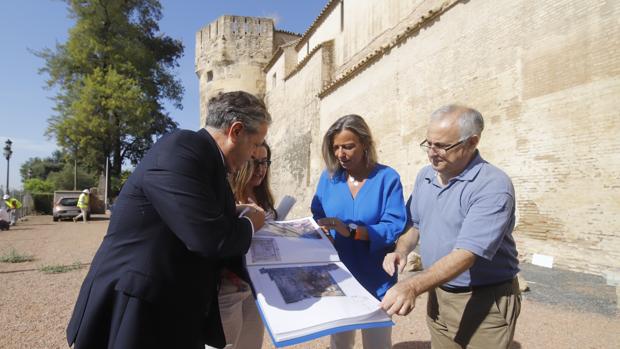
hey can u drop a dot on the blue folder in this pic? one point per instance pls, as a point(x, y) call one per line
point(315, 335)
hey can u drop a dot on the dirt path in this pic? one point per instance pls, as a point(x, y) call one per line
point(35, 307)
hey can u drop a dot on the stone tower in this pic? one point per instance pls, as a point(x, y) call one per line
point(231, 53)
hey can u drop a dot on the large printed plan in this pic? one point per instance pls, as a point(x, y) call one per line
point(303, 291)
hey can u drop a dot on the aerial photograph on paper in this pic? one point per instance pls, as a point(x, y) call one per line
point(299, 283)
point(300, 228)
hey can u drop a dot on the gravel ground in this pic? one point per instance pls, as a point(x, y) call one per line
point(562, 310)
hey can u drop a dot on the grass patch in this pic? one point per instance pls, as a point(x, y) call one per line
point(15, 257)
point(60, 268)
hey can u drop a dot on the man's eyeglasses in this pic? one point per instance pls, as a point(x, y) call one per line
point(264, 162)
point(440, 149)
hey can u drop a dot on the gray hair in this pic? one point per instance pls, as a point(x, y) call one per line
point(357, 125)
point(470, 120)
point(226, 108)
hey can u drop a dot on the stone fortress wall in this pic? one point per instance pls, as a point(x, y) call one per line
point(230, 55)
point(544, 74)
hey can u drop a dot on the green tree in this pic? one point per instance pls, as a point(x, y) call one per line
point(37, 185)
point(63, 179)
point(112, 74)
point(41, 168)
point(117, 183)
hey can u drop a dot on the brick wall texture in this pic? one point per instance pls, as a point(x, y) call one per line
point(544, 74)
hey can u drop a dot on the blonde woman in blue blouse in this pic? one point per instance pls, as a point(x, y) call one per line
point(360, 203)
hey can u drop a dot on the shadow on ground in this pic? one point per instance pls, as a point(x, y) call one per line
point(579, 291)
point(413, 345)
point(93, 218)
point(427, 345)
point(99, 218)
point(17, 227)
point(28, 222)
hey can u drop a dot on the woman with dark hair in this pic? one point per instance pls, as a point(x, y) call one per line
point(360, 203)
point(241, 321)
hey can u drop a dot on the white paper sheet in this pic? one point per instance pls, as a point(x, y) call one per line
point(297, 300)
point(293, 241)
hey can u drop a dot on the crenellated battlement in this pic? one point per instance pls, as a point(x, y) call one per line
point(231, 53)
point(236, 28)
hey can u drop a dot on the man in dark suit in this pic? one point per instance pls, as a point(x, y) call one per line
point(153, 282)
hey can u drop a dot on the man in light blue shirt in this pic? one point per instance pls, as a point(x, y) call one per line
point(462, 210)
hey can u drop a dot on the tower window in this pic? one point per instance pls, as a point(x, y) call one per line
point(342, 15)
point(209, 75)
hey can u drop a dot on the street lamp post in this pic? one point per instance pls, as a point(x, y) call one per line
point(75, 169)
point(7, 154)
point(105, 198)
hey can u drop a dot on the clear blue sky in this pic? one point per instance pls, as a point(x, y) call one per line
point(27, 25)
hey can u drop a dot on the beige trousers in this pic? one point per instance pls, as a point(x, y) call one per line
point(483, 318)
point(372, 338)
point(242, 324)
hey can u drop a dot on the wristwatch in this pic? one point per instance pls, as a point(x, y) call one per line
point(353, 232)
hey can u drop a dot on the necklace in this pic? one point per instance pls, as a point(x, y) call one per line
point(353, 181)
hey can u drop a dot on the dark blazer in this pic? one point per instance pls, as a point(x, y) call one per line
point(153, 282)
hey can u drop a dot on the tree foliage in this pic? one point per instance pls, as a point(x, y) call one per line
point(55, 173)
point(112, 76)
point(64, 179)
point(37, 185)
point(41, 168)
point(117, 183)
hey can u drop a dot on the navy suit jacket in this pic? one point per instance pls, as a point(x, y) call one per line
point(154, 281)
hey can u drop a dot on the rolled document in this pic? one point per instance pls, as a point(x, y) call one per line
point(284, 207)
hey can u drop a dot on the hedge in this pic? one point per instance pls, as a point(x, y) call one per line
point(43, 202)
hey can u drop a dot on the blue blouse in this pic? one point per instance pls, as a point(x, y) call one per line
point(379, 206)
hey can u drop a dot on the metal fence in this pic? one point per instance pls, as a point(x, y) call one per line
point(27, 204)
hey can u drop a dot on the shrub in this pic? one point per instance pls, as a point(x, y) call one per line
point(43, 202)
point(15, 257)
point(60, 268)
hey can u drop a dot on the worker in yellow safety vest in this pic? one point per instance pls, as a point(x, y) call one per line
point(83, 206)
point(12, 204)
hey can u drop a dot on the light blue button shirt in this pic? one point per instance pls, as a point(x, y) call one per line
point(474, 212)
